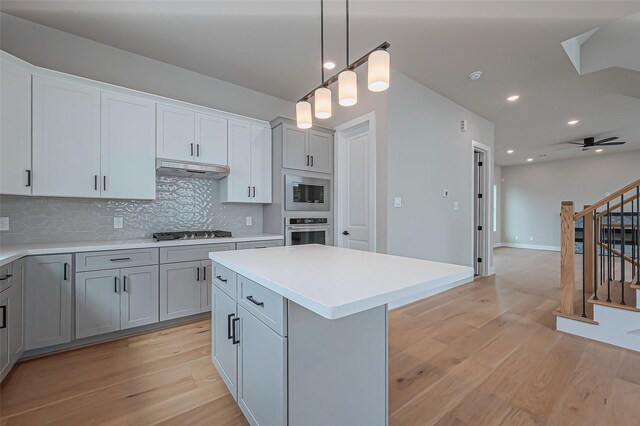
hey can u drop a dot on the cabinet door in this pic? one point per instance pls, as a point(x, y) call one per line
point(321, 152)
point(211, 139)
point(5, 351)
point(15, 128)
point(97, 302)
point(175, 133)
point(206, 267)
point(16, 315)
point(260, 164)
point(48, 301)
point(128, 147)
point(223, 351)
point(179, 290)
point(140, 296)
point(236, 187)
point(66, 138)
point(262, 372)
point(294, 148)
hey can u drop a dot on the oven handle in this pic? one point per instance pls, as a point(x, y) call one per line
point(295, 228)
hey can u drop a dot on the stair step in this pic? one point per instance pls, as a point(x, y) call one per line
point(575, 317)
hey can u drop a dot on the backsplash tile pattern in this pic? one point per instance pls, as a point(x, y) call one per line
point(181, 204)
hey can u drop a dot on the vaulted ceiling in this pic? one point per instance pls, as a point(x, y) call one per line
point(273, 47)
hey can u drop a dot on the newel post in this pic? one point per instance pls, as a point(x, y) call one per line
point(567, 255)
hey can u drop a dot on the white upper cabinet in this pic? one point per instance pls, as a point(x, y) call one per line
point(250, 164)
point(66, 138)
point(15, 126)
point(320, 152)
point(187, 135)
point(127, 160)
point(310, 150)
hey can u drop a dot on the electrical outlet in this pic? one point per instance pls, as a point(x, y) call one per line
point(4, 223)
point(456, 205)
point(249, 220)
point(530, 238)
point(118, 222)
point(445, 193)
point(397, 202)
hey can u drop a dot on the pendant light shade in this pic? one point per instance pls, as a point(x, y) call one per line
point(378, 71)
point(303, 115)
point(347, 88)
point(323, 102)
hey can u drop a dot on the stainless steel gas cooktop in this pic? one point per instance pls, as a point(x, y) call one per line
point(190, 235)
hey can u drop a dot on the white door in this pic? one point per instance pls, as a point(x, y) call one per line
point(224, 351)
point(179, 290)
point(262, 372)
point(211, 139)
point(16, 317)
point(15, 128)
point(238, 183)
point(175, 133)
point(206, 268)
point(66, 138)
point(48, 300)
point(97, 302)
point(260, 164)
point(294, 148)
point(320, 152)
point(5, 313)
point(355, 188)
point(139, 300)
point(128, 147)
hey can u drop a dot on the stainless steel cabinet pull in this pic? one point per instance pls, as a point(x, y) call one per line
point(4, 317)
point(229, 332)
point(28, 177)
point(254, 301)
point(5, 277)
point(198, 274)
point(233, 324)
point(221, 279)
point(312, 161)
point(120, 259)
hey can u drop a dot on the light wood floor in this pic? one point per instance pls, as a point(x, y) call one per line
point(484, 353)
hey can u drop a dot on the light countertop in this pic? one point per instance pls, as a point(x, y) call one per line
point(335, 282)
point(11, 253)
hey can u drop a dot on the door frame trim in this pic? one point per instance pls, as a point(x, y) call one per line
point(487, 267)
point(369, 118)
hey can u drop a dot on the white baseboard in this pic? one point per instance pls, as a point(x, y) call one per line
point(530, 246)
point(496, 245)
point(432, 291)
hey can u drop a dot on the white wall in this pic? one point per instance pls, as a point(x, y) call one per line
point(428, 153)
point(532, 193)
point(497, 180)
point(50, 48)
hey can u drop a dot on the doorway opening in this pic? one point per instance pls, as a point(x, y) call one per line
point(482, 210)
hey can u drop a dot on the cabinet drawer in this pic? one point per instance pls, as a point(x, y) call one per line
point(258, 244)
point(225, 279)
point(94, 261)
point(191, 253)
point(267, 306)
point(6, 272)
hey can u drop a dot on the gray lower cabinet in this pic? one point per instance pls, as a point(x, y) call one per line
point(16, 315)
point(258, 244)
point(48, 300)
point(116, 299)
point(224, 347)
point(5, 352)
point(182, 289)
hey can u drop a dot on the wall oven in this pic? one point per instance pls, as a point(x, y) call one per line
point(307, 230)
point(307, 194)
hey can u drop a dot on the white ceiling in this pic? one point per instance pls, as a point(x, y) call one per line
point(273, 47)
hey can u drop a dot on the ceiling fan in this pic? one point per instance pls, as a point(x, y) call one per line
point(591, 142)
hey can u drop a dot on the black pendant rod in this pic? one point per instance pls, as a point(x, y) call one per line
point(347, 31)
point(350, 67)
point(322, 40)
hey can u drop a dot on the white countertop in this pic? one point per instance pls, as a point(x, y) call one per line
point(14, 252)
point(335, 282)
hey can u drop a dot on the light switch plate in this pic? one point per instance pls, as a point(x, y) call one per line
point(249, 220)
point(456, 205)
point(118, 222)
point(397, 202)
point(4, 223)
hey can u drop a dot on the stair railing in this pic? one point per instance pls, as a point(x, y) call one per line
point(610, 247)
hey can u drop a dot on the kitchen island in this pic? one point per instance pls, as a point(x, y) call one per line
point(300, 332)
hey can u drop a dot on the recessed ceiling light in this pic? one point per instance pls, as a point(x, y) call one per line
point(599, 150)
point(529, 159)
point(513, 98)
point(510, 151)
point(329, 65)
point(475, 75)
point(573, 122)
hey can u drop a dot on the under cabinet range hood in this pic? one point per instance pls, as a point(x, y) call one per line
point(187, 169)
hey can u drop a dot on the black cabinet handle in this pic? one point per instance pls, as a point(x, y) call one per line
point(115, 284)
point(254, 301)
point(4, 317)
point(204, 273)
point(104, 183)
point(66, 276)
point(120, 259)
point(198, 274)
point(229, 332)
point(95, 182)
point(192, 150)
point(233, 325)
point(254, 192)
point(28, 177)
point(249, 188)
point(345, 232)
point(307, 160)
point(198, 150)
point(124, 283)
point(5, 277)
point(312, 161)
point(221, 279)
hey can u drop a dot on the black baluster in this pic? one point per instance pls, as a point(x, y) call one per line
point(623, 239)
point(637, 234)
point(608, 253)
point(584, 272)
point(595, 255)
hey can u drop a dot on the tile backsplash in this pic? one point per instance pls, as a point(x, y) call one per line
point(180, 204)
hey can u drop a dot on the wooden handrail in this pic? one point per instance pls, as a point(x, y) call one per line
point(617, 206)
point(618, 253)
point(607, 199)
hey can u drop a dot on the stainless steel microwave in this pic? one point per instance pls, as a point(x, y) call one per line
point(307, 194)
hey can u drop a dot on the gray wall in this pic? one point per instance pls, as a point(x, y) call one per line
point(50, 48)
point(181, 204)
point(532, 193)
point(428, 153)
point(497, 180)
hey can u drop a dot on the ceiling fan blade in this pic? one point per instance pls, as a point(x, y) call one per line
point(576, 143)
point(586, 148)
point(610, 143)
point(568, 147)
point(607, 139)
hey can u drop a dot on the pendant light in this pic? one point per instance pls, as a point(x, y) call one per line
point(303, 115)
point(323, 103)
point(378, 71)
point(347, 80)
